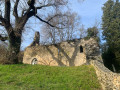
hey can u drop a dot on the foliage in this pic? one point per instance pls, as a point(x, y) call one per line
point(93, 33)
point(111, 28)
point(4, 59)
point(108, 57)
point(27, 77)
point(3, 54)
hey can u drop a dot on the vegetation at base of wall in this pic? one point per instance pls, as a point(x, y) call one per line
point(109, 59)
point(37, 77)
point(4, 55)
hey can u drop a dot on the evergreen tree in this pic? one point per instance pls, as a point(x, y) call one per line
point(93, 32)
point(107, 17)
point(111, 29)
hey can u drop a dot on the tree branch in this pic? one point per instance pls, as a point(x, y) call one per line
point(6, 23)
point(25, 18)
point(48, 5)
point(30, 13)
point(54, 17)
point(15, 13)
point(46, 22)
point(3, 21)
point(7, 10)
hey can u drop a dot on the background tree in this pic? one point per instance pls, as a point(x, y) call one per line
point(83, 31)
point(111, 30)
point(70, 21)
point(93, 33)
point(108, 56)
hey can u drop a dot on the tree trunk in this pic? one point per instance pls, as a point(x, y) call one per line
point(71, 63)
point(14, 46)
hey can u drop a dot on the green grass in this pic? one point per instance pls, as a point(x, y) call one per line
point(37, 77)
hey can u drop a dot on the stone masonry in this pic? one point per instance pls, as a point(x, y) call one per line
point(69, 53)
point(108, 79)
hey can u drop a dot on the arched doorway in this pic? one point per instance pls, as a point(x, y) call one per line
point(34, 61)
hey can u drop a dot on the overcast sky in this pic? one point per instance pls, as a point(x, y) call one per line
point(90, 12)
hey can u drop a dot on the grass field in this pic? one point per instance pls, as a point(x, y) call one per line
point(37, 77)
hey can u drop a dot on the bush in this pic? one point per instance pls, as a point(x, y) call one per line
point(4, 56)
point(109, 59)
point(20, 56)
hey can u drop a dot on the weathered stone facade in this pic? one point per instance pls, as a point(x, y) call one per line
point(69, 53)
point(108, 79)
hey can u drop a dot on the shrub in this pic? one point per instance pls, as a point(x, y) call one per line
point(4, 56)
point(20, 56)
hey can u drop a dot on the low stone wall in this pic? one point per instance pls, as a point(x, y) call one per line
point(108, 79)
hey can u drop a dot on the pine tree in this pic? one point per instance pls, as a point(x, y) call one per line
point(107, 17)
point(111, 28)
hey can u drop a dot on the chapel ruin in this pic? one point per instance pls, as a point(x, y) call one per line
point(69, 53)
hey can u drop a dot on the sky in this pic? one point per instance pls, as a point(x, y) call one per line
point(90, 12)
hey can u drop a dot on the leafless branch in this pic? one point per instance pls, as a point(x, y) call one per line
point(46, 22)
point(15, 13)
point(7, 10)
point(48, 5)
point(54, 17)
point(3, 21)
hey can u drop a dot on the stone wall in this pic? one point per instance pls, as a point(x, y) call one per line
point(108, 79)
point(62, 54)
point(66, 53)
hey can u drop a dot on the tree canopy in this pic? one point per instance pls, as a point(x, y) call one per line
point(111, 28)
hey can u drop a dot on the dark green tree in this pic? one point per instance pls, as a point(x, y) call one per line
point(93, 32)
point(111, 30)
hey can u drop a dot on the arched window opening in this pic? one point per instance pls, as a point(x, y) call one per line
point(81, 49)
point(34, 61)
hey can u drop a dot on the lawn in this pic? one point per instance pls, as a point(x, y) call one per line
point(37, 77)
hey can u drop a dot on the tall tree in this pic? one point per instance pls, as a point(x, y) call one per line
point(30, 8)
point(111, 28)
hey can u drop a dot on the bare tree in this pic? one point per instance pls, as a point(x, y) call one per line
point(73, 25)
point(53, 33)
point(21, 11)
point(83, 31)
point(70, 24)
